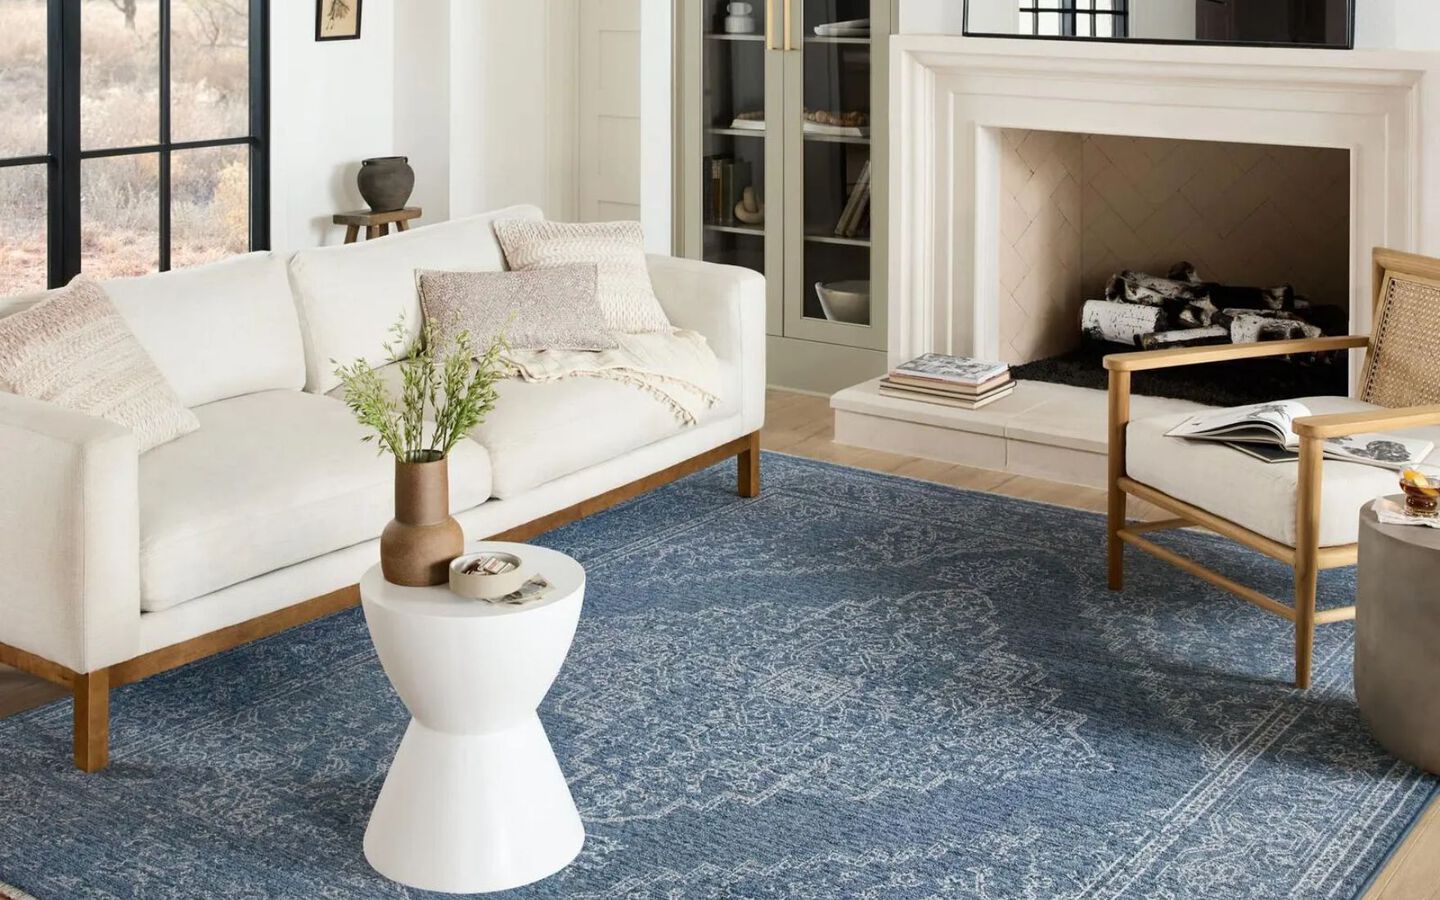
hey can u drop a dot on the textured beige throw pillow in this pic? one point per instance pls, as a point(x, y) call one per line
point(542, 309)
point(616, 249)
point(75, 351)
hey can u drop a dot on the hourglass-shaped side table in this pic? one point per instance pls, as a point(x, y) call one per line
point(474, 800)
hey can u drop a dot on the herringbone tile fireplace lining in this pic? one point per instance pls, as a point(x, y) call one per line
point(1075, 208)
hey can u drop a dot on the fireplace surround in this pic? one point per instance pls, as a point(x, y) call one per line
point(952, 98)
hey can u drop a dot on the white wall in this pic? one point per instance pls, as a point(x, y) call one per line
point(1398, 24)
point(657, 84)
point(479, 95)
point(422, 101)
point(331, 105)
point(512, 115)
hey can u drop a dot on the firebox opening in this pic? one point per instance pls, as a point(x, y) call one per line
point(1115, 243)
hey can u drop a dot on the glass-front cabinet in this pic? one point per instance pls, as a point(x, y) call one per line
point(782, 163)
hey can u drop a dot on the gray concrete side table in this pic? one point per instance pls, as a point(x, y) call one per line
point(1397, 638)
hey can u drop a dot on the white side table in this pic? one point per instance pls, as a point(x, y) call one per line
point(474, 800)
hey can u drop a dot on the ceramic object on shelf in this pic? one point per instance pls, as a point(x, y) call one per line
point(739, 20)
point(483, 585)
point(386, 182)
point(417, 546)
point(845, 301)
point(749, 210)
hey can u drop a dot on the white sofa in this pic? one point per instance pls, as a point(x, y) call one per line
point(115, 565)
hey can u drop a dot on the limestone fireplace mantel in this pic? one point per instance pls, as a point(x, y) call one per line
point(951, 97)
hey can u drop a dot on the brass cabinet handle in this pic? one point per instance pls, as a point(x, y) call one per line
point(788, 44)
point(769, 24)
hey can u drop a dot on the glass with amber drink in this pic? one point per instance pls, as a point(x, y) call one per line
point(1421, 485)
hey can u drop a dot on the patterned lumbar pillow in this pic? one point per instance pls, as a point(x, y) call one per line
point(75, 351)
point(540, 309)
point(616, 249)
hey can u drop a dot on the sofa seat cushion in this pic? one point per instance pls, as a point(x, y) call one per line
point(270, 480)
point(1257, 495)
point(539, 432)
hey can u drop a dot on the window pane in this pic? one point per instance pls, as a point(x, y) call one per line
point(120, 216)
point(119, 73)
point(209, 69)
point(1105, 26)
point(1049, 24)
point(209, 204)
point(22, 229)
point(22, 77)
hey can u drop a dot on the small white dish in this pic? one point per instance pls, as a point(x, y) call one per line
point(483, 586)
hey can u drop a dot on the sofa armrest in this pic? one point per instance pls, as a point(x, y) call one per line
point(69, 535)
point(727, 305)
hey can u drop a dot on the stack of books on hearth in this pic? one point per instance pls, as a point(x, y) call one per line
point(949, 381)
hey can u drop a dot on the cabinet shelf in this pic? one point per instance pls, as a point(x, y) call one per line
point(835, 138)
point(717, 36)
point(738, 132)
point(737, 229)
point(817, 39)
point(838, 240)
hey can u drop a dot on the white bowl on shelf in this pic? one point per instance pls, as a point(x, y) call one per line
point(845, 301)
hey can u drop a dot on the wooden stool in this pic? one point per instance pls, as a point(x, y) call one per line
point(376, 224)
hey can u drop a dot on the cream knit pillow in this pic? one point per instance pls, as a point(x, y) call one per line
point(74, 350)
point(617, 249)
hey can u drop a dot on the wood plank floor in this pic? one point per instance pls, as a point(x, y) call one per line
point(801, 424)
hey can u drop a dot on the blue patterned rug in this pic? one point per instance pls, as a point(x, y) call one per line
point(855, 686)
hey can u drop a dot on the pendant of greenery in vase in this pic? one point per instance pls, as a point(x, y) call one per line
point(444, 393)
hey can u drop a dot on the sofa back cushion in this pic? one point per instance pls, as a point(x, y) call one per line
point(221, 330)
point(351, 295)
point(215, 331)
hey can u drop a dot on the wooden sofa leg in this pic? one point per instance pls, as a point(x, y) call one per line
point(92, 720)
point(748, 463)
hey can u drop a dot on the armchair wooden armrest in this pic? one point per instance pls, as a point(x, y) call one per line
point(1142, 360)
point(1344, 424)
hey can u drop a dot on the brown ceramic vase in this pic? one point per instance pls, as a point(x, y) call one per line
point(417, 546)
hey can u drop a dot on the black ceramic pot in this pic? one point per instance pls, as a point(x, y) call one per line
point(386, 182)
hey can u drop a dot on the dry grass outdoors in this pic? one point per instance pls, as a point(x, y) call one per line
point(120, 102)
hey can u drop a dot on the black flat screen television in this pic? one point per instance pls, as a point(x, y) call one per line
point(1269, 23)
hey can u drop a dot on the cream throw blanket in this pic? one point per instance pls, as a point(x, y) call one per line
point(679, 369)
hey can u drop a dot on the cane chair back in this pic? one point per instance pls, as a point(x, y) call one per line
point(1403, 365)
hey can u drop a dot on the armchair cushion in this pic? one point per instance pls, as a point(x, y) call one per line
point(1257, 495)
point(270, 480)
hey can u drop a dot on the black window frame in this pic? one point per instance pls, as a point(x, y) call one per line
point(1070, 13)
point(63, 156)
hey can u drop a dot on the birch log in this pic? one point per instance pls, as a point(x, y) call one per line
point(1185, 337)
point(1137, 287)
point(1248, 328)
point(1120, 323)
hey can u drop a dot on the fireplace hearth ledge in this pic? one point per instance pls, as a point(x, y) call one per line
point(1050, 431)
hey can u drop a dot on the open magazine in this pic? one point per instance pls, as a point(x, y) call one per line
point(1265, 431)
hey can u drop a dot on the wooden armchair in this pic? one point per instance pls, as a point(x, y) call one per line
point(1214, 487)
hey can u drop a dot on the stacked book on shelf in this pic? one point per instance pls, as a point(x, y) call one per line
point(957, 381)
point(726, 181)
point(855, 217)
